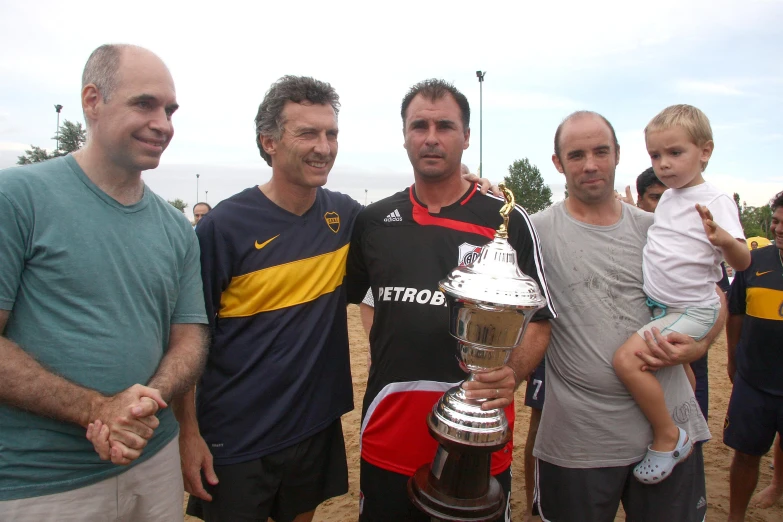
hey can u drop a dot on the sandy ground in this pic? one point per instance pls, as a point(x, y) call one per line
point(716, 456)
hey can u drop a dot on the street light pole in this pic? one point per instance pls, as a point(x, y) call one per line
point(365, 197)
point(480, 76)
point(58, 108)
point(206, 196)
point(197, 175)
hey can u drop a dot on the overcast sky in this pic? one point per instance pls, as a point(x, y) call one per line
point(624, 59)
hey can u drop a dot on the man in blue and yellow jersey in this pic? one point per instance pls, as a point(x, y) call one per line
point(277, 380)
point(753, 333)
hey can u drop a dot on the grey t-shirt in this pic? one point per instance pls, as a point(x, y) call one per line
point(595, 275)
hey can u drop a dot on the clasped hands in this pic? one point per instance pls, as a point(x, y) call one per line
point(121, 425)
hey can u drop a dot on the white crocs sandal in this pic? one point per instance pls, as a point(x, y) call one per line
point(658, 465)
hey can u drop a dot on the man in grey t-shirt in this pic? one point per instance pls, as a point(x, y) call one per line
point(592, 433)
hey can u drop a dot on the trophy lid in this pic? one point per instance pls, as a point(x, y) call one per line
point(494, 278)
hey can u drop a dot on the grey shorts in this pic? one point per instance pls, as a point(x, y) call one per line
point(694, 321)
point(151, 491)
point(594, 494)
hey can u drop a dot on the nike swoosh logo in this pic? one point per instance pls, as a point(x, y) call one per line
point(259, 246)
point(762, 273)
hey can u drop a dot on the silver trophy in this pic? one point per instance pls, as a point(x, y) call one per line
point(490, 305)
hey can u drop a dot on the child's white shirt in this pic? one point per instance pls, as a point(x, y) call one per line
point(680, 264)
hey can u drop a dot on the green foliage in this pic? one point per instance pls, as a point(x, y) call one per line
point(71, 138)
point(33, 155)
point(524, 180)
point(755, 220)
point(179, 205)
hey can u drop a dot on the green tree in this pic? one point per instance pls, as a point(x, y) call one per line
point(71, 136)
point(33, 155)
point(524, 180)
point(755, 220)
point(179, 205)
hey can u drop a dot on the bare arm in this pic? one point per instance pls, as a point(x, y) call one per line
point(29, 386)
point(175, 378)
point(733, 331)
point(735, 251)
point(194, 453)
point(530, 352)
point(184, 361)
point(499, 385)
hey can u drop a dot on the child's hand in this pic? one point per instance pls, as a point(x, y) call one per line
point(716, 235)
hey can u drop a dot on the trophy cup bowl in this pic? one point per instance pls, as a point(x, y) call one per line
point(490, 304)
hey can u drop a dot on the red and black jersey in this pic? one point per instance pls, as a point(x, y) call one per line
point(402, 251)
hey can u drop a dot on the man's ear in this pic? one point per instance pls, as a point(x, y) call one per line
point(268, 144)
point(557, 163)
point(91, 100)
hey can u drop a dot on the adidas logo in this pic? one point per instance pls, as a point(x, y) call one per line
point(394, 216)
point(701, 503)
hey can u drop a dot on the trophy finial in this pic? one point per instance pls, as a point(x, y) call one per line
point(505, 211)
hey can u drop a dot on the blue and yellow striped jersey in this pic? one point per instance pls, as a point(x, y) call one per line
point(278, 368)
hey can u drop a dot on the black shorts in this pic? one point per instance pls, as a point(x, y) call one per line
point(700, 371)
point(536, 390)
point(279, 486)
point(594, 494)
point(753, 418)
point(384, 496)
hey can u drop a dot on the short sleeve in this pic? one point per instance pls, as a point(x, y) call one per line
point(368, 299)
point(524, 239)
point(737, 294)
point(357, 277)
point(725, 214)
point(14, 234)
point(190, 302)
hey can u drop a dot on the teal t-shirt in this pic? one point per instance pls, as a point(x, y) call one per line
point(93, 287)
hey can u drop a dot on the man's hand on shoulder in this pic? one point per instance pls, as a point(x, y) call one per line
point(484, 184)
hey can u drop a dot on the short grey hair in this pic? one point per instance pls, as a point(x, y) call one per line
point(297, 89)
point(581, 114)
point(102, 67)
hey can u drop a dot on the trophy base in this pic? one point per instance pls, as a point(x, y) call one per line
point(457, 486)
point(427, 498)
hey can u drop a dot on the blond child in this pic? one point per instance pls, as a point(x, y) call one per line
point(681, 264)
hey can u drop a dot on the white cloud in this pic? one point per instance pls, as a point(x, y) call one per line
point(698, 87)
point(13, 146)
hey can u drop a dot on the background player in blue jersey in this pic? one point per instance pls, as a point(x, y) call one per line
point(755, 366)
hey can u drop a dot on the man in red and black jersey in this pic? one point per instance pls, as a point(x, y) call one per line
point(401, 247)
point(755, 366)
